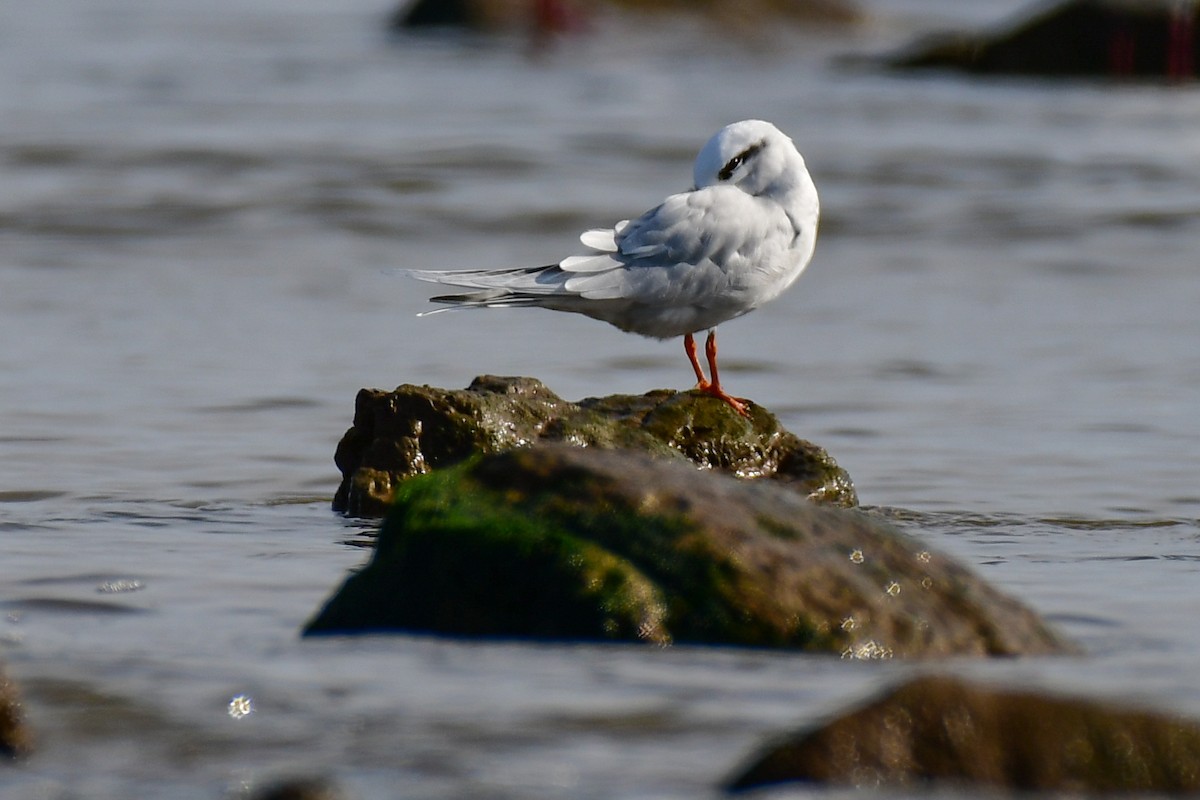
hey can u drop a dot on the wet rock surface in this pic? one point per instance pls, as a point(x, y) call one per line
point(940, 730)
point(558, 542)
point(416, 429)
point(1111, 39)
point(15, 738)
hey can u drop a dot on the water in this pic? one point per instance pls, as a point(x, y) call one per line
point(997, 338)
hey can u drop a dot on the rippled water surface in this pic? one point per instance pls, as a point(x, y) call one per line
point(202, 203)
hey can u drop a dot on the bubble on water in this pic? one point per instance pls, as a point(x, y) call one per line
point(856, 556)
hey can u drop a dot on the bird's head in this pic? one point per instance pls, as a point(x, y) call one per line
point(752, 155)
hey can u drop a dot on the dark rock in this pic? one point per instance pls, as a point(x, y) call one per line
point(416, 429)
point(15, 738)
point(1102, 38)
point(300, 789)
point(550, 16)
point(487, 16)
point(763, 12)
point(564, 543)
point(940, 729)
point(436, 13)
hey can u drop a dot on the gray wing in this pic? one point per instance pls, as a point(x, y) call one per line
point(696, 249)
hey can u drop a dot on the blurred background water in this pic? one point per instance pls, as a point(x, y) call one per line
point(998, 338)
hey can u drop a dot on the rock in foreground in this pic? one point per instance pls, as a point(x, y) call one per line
point(559, 542)
point(938, 729)
point(15, 739)
point(415, 429)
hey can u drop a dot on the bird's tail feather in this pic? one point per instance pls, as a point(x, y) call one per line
point(492, 298)
point(494, 288)
point(479, 278)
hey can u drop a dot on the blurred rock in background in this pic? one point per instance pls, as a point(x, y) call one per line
point(1111, 39)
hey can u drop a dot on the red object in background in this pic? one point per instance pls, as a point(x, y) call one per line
point(557, 16)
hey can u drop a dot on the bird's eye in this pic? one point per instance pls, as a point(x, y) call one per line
point(727, 171)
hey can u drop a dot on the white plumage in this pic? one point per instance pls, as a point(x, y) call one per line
point(736, 240)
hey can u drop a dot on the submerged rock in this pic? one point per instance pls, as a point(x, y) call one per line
point(300, 789)
point(1103, 38)
point(15, 738)
point(559, 542)
point(415, 429)
point(939, 729)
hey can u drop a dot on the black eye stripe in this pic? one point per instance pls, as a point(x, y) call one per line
point(727, 171)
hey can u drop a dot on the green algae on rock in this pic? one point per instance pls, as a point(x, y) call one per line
point(558, 542)
point(943, 730)
point(416, 429)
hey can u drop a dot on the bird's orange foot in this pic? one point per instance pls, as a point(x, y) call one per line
point(739, 404)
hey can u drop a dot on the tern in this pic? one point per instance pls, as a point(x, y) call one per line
point(736, 240)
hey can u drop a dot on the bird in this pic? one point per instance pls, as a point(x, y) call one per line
point(740, 236)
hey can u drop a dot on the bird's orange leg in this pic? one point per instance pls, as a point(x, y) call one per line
point(740, 405)
point(689, 347)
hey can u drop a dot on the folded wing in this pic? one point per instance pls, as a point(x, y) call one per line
point(689, 251)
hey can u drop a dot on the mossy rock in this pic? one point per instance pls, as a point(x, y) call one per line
point(556, 542)
point(416, 429)
point(940, 730)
